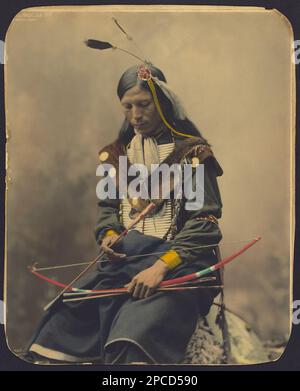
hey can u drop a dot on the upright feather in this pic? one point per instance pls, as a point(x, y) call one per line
point(95, 44)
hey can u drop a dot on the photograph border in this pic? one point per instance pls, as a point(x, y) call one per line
point(290, 360)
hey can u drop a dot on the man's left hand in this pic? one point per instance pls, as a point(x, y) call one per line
point(145, 283)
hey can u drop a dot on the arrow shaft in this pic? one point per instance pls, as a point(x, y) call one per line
point(141, 216)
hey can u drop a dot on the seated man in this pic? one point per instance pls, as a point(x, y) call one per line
point(146, 325)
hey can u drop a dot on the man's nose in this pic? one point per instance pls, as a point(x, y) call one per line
point(137, 113)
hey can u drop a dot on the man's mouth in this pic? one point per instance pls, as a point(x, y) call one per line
point(140, 125)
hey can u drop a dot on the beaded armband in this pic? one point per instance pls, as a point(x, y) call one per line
point(210, 218)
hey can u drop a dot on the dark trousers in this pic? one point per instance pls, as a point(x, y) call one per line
point(125, 353)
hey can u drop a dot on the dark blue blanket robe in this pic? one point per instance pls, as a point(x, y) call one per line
point(160, 325)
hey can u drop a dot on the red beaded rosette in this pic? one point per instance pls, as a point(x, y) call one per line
point(144, 72)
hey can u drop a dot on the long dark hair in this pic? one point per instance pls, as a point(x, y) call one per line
point(130, 79)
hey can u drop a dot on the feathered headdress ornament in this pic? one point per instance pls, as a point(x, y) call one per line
point(144, 74)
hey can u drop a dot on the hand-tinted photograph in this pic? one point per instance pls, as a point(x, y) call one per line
point(150, 185)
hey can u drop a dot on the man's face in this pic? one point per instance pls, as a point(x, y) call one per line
point(140, 110)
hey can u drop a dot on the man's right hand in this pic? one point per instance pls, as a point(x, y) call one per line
point(105, 246)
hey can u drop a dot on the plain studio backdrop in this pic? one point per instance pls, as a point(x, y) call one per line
point(233, 73)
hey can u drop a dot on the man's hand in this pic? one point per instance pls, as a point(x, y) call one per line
point(145, 283)
point(112, 255)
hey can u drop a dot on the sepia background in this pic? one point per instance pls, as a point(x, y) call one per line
point(232, 71)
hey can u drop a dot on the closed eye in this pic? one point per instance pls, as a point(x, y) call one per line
point(144, 104)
